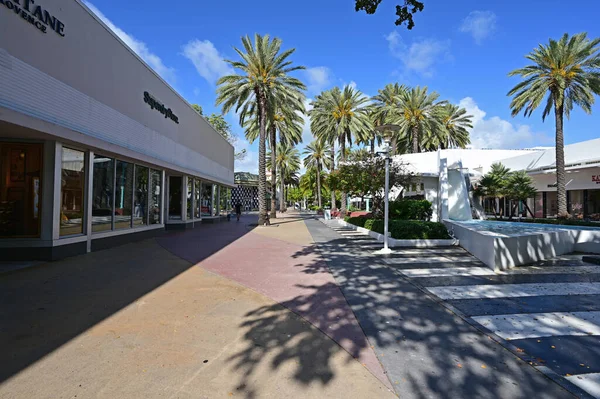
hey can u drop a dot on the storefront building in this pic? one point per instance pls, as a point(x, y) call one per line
point(95, 148)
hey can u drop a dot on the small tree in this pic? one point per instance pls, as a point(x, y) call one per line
point(367, 178)
point(493, 184)
point(519, 187)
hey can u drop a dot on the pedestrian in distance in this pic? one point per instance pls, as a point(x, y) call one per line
point(238, 210)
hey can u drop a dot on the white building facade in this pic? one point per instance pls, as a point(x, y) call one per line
point(95, 147)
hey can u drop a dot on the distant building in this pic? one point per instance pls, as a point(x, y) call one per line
point(245, 191)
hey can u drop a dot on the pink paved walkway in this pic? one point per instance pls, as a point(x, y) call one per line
point(289, 273)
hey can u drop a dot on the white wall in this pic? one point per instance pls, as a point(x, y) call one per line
point(89, 82)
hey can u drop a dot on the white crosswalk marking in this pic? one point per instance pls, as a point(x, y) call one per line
point(588, 382)
point(514, 290)
point(484, 271)
point(536, 325)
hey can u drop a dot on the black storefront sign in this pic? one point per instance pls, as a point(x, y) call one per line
point(35, 15)
point(155, 104)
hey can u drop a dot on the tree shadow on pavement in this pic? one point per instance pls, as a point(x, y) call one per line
point(47, 306)
point(275, 337)
point(427, 351)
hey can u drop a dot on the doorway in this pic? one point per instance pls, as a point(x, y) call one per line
point(20, 189)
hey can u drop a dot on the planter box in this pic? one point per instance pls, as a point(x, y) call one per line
point(392, 242)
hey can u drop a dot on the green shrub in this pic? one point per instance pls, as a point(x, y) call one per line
point(410, 209)
point(357, 220)
point(404, 229)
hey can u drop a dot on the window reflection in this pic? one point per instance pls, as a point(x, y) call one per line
point(140, 197)
point(175, 197)
point(190, 199)
point(155, 196)
point(207, 195)
point(197, 199)
point(123, 195)
point(72, 192)
point(225, 200)
point(102, 194)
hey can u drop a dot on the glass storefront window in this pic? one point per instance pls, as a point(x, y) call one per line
point(140, 197)
point(102, 193)
point(72, 192)
point(215, 200)
point(155, 205)
point(190, 197)
point(225, 200)
point(123, 195)
point(551, 204)
point(593, 205)
point(539, 205)
point(576, 204)
point(175, 197)
point(207, 195)
point(197, 199)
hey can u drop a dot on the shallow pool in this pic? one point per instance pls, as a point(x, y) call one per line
point(513, 229)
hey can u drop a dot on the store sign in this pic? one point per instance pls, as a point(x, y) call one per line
point(155, 104)
point(35, 15)
point(552, 185)
point(596, 179)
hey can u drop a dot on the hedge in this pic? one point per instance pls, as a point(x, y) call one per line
point(404, 229)
point(410, 209)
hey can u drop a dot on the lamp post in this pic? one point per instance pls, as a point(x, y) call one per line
point(386, 129)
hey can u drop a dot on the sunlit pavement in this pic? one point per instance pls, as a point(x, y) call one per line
point(425, 347)
point(220, 311)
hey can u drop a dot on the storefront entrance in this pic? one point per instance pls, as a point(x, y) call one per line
point(20, 189)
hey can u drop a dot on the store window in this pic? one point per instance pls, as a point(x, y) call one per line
point(215, 200)
point(197, 198)
point(102, 193)
point(175, 197)
point(123, 195)
point(593, 205)
point(140, 197)
point(225, 200)
point(551, 204)
point(576, 204)
point(190, 198)
point(207, 197)
point(72, 192)
point(155, 206)
point(539, 205)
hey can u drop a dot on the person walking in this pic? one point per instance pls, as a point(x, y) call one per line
point(238, 210)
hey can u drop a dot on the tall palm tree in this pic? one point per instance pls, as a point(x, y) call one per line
point(385, 106)
point(454, 132)
point(341, 115)
point(317, 157)
point(284, 116)
point(288, 162)
point(264, 71)
point(416, 114)
point(565, 72)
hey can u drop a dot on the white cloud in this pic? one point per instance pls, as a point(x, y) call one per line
point(307, 135)
point(139, 47)
point(250, 162)
point(498, 133)
point(421, 55)
point(206, 58)
point(318, 78)
point(480, 24)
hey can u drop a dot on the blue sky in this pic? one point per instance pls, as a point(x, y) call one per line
point(463, 49)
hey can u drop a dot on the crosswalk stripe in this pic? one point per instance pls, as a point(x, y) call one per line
point(588, 382)
point(536, 325)
point(514, 290)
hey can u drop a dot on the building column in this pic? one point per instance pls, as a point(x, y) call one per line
point(368, 204)
point(544, 204)
point(88, 199)
point(585, 204)
point(443, 189)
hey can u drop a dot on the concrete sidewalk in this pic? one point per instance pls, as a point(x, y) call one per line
point(148, 320)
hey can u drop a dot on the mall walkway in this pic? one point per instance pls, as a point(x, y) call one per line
point(205, 313)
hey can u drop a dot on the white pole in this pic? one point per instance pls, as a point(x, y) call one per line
point(387, 204)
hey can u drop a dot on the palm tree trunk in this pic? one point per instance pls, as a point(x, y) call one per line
point(319, 185)
point(342, 159)
point(332, 169)
point(528, 210)
point(373, 146)
point(262, 150)
point(415, 137)
point(273, 145)
point(281, 194)
point(561, 191)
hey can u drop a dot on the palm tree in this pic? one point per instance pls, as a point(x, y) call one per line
point(493, 184)
point(284, 116)
point(339, 115)
point(519, 188)
point(317, 157)
point(385, 105)
point(264, 72)
point(416, 114)
point(565, 72)
point(454, 133)
point(288, 162)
